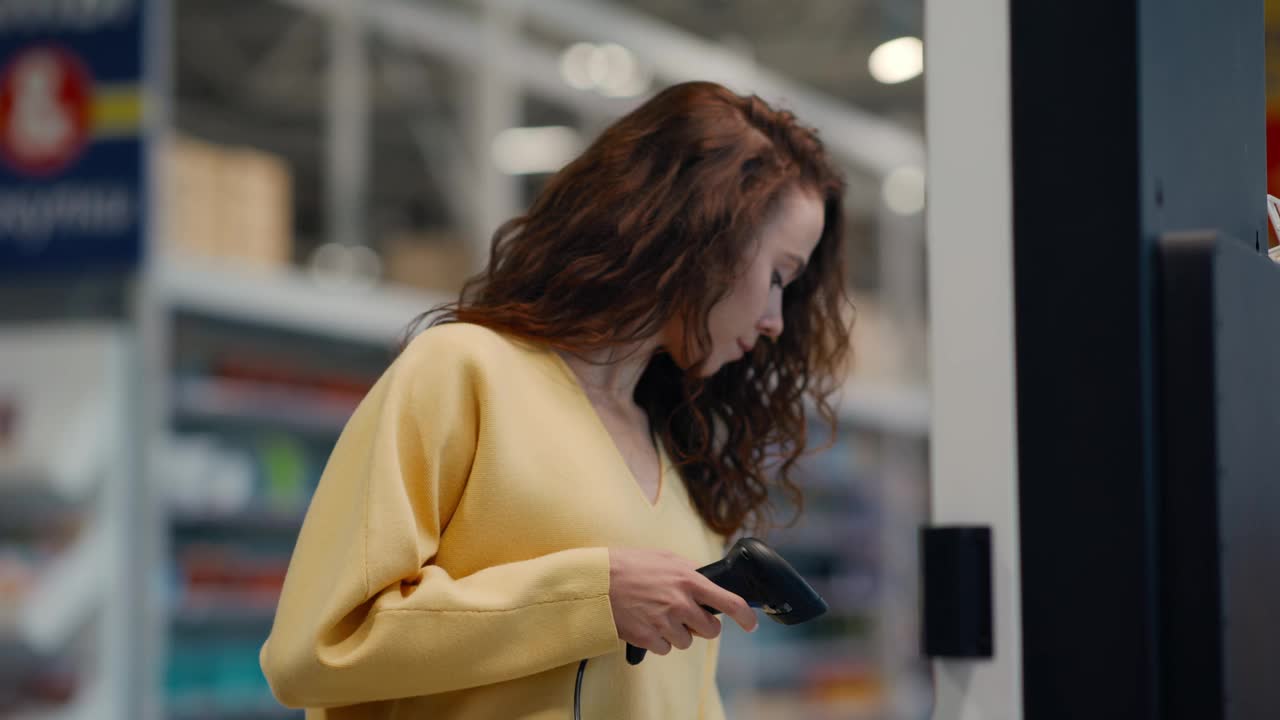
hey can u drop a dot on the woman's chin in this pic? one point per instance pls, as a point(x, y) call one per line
point(710, 366)
point(703, 368)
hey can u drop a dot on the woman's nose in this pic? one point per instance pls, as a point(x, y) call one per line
point(770, 326)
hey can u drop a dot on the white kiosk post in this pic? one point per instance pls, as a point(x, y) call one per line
point(970, 252)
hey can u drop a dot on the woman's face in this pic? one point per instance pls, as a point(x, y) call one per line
point(753, 306)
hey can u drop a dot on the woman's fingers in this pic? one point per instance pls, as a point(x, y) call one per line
point(713, 596)
point(655, 643)
point(658, 600)
point(702, 623)
point(678, 635)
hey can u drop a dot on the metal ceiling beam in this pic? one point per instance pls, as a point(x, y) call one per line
point(347, 129)
point(857, 136)
point(460, 39)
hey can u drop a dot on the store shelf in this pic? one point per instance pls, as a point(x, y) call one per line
point(291, 300)
point(34, 510)
point(205, 610)
point(67, 592)
point(243, 401)
point(198, 708)
point(254, 521)
point(56, 438)
point(32, 497)
point(89, 703)
point(294, 301)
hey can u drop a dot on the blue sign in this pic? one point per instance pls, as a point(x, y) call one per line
point(72, 160)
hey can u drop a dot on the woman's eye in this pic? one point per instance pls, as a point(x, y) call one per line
point(776, 279)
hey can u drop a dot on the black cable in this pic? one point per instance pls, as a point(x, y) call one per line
point(577, 692)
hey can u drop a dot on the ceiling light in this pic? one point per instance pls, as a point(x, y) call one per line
point(576, 65)
point(609, 69)
point(903, 190)
point(897, 60)
point(531, 150)
point(623, 76)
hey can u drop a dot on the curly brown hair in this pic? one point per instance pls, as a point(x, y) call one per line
point(651, 223)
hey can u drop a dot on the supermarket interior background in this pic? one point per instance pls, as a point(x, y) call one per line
point(300, 179)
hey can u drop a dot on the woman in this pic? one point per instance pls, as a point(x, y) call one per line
point(536, 478)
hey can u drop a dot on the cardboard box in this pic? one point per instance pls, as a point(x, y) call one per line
point(232, 204)
point(433, 261)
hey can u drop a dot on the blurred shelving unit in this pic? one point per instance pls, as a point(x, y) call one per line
point(263, 369)
point(66, 488)
point(855, 542)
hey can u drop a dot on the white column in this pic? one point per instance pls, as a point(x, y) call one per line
point(970, 242)
point(492, 100)
point(138, 615)
point(347, 146)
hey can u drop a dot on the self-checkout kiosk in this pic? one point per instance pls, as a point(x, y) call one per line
point(1105, 343)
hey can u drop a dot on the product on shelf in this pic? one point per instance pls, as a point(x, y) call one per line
point(39, 690)
point(232, 578)
point(229, 204)
point(202, 475)
point(431, 261)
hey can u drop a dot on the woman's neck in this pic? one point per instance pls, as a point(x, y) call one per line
point(609, 377)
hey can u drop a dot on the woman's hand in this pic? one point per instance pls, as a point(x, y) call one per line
point(657, 597)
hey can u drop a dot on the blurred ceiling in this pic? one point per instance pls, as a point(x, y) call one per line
point(823, 44)
point(254, 73)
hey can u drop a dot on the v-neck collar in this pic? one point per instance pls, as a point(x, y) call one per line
point(581, 392)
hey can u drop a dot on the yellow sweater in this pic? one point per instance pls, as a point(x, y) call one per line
point(453, 563)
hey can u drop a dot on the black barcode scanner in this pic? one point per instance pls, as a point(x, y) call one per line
point(753, 571)
point(760, 576)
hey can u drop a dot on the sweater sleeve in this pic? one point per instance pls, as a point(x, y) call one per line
point(365, 614)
